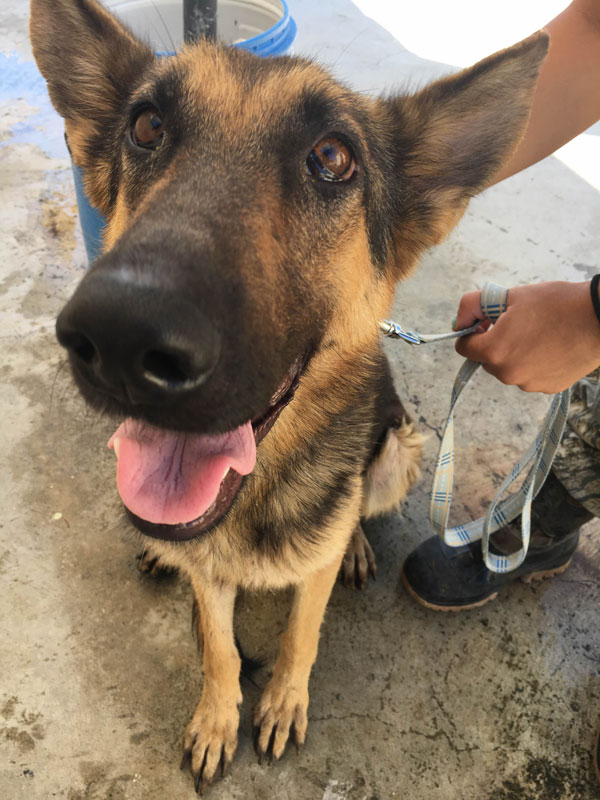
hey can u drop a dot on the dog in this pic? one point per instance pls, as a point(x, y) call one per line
point(259, 216)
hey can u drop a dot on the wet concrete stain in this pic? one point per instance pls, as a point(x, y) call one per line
point(98, 785)
point(8, 708)
point(589, 270)
point(28, 729)
point(21, 738)
point(22, 83)
point(59, 214)
point(548, 780)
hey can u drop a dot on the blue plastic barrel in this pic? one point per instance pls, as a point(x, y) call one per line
point(273, 42)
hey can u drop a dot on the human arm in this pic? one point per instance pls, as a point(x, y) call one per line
point(549, 337)
point(567, 94)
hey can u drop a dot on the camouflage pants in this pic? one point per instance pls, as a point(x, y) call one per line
point(577, 462)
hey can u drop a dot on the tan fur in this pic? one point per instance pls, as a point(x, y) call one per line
point(353, 333)
point(284, 701)
point(223, 561)
point(211, 83)
point(215, 723)
point(215, 574)
point(122, 216)
point(96, 174)
point(391, 475)
point(78, 135)
point(117, 224)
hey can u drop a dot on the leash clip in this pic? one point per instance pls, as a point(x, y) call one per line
point(395, 331)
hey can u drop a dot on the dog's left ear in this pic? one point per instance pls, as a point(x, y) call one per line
point(90, 62)
point(453, 136)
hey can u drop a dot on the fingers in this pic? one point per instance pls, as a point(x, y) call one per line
point(501, 361)
point(493, 350)
point(469, 310)
point(501, 373)
point(492, 345)
point(476, 346)
point(511, 376)
point(541, 343)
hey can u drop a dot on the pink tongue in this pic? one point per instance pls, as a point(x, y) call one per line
point(172, 478)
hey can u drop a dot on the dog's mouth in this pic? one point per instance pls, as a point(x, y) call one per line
point(175, 486)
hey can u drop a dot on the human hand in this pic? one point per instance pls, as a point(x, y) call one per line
point(547, 339)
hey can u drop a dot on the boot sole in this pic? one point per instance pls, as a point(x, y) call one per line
point(545, 574)
point(531, 578)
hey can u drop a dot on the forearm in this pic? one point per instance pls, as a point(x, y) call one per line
point(567, 95)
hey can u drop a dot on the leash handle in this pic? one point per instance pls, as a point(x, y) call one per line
point(538, 458)
point(535, 465)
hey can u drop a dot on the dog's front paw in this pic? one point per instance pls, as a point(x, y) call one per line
point(210, 741)
point(280, 715)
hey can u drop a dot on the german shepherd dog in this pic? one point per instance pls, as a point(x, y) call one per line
point(260, 215)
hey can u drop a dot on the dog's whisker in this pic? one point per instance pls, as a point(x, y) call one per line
point(253, 476)
point(61, 366)
point(164, 45)
point(156, 8)
point(348, 46)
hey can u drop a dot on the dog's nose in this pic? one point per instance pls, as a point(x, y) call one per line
point(140, 343)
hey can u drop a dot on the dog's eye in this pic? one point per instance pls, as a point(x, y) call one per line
point(147, 129)
point(331, 160)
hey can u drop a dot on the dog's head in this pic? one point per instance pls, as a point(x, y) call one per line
point(259, 213)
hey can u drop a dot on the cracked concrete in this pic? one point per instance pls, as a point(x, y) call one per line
point(99, 671)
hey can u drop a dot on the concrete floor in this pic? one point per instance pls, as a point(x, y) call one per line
point(99, 673)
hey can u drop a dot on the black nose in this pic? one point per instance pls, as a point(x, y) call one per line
point(140, 343)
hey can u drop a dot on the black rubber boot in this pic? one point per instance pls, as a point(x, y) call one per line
point(456, 578)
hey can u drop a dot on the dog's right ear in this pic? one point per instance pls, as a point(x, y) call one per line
point(452, 137)
point(89, 61)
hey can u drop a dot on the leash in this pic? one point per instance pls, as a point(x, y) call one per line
point(395, 331)
point(534, 466)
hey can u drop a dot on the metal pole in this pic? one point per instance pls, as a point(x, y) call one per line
point(199, 20)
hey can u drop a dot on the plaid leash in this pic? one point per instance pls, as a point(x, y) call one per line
point(534, 466)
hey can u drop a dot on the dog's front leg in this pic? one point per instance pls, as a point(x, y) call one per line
point(211, 737)
point(282, 710)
